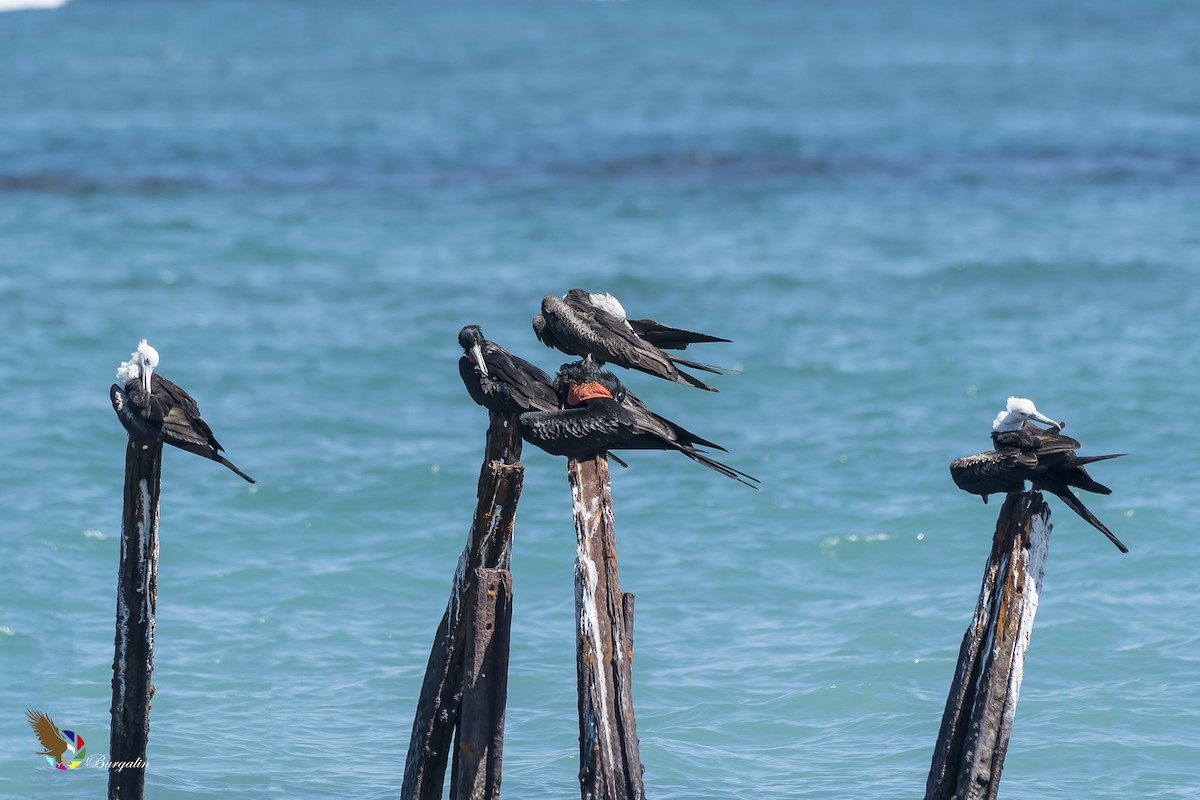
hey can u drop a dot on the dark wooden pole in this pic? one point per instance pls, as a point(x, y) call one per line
point(610, 766)
point(977, 722)
point(489, 547)
point(137, 590)
point(480, 738)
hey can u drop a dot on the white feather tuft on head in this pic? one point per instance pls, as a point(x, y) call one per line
point(149, 354)
point(128, 371)
point(1016, 412)
point(144, 356)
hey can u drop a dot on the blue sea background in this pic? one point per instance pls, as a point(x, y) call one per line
point(900, 213)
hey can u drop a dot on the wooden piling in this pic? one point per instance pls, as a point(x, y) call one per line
point(479, 743)
point(137, 589)
point(462, 629)
point(977, 722)
point(610, 766)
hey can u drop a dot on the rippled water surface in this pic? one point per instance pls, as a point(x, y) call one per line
point(900, 213)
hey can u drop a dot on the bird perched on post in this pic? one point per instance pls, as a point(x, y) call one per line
point(1025, 452)
point(583, 324)
point(500, 381)
point(598, 415)
point(153, 409)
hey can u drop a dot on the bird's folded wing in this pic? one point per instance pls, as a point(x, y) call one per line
point(179, 425)
point(574, 424)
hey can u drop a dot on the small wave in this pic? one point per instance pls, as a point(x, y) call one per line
point(25, 5)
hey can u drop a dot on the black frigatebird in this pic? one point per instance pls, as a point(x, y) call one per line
point(583, 324)
point(500, 381)
point(599, 416)
point(1025, 452)
point(153, 409)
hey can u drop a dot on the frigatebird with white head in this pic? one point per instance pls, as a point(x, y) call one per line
point(599, 416)
point(1025, 452)
point(582, 324)
point(153, 409)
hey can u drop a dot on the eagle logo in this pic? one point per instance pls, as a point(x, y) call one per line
point(62, 749)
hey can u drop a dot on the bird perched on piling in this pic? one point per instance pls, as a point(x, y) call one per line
point(1025, 452)
point(153, 409)
point(598, 416)
point(583, 324)
point(500, 381)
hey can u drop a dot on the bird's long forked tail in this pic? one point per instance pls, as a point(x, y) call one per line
point(680, 376)
point(683, 362)
point(724, 469)
point(1064, 493)
point(223, 460)
point(208, 451)
point(1078, 477)
point(665, 337)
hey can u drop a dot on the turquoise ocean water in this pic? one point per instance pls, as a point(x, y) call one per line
point(900, 213)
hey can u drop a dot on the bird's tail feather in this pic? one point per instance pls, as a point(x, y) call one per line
point(1065, 494)
point(1080, 460)
point(228, 463)
point(694, 364)
point(667, 338)
point(682, 377)
point(1078, 477)
point(724, 469)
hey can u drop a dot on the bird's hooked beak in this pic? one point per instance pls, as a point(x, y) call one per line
point(1040, 417)
point(146, 371)
point(476, 356)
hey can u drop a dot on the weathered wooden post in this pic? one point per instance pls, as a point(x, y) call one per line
point(137, 589)
point(466, 677)
point(610, 766)
point(479, 742)
point(977, 722)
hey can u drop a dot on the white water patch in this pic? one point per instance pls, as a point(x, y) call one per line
point(91, 533)
point(829, 545)
point(30, 5)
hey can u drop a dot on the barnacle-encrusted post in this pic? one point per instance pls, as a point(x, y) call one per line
point(137, 589)
point(977, 722)
point(610, 766)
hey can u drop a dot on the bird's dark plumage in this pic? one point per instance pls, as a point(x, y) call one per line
point(582, 324)
point(504, 383)
point(1044, 457)
point(600, 416)
point(166, 413)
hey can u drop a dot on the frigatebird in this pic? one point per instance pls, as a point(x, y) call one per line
point(508, 384)
point(598, 416)
point(500, 381)
point(153, 409)
point(1025, 452)
point(583, 324)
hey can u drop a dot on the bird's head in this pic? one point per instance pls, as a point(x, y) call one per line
point(584, 380)
point(470, 338)
point(1017, 411)
point(140, 366)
